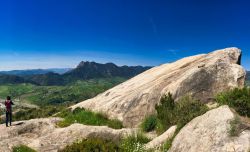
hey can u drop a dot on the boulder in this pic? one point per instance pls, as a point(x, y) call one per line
point(201, 76)
point(210, 133)
point(43, 135)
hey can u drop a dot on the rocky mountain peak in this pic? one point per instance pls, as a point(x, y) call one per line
point(85, 63)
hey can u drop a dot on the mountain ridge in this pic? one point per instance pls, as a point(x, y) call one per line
point(88, 70)
point(84, 70)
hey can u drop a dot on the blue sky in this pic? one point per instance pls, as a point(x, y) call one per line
point(53, 33)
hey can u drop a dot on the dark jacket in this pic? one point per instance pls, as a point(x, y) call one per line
point(8, 105)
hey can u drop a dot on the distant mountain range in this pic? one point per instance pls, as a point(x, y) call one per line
point(35, 71)
point(84, 71)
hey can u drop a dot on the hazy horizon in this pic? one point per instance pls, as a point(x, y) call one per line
point(51, 34)
point(31, 65)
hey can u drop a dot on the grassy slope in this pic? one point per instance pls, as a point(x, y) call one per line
point(88, 118)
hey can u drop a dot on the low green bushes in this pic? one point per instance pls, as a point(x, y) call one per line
point(88, 118)
point(22, 148)
point(178, 113)
point(92, 145)
point(238, 99)
point(134, 143)
point(171, 112)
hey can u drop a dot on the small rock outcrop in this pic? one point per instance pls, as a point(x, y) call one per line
point(43, 135)
point(201, 76)
point(157, 142)
point(210, 133)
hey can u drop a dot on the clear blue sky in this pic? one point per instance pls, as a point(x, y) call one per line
point(61, 33)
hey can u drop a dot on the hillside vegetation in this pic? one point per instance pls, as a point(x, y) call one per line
point(52, 99)
point(238, 99)
point(171, 112)
point(54, 95)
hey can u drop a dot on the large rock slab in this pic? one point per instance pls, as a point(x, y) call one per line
point(201, 76)
point(210, 133)
point(43, 135)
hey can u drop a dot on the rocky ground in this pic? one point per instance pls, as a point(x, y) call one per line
point(43, 135)
point(211, 133)
point(206, 133)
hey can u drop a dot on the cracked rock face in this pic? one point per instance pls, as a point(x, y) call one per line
point(210, 133)
point(201, 76)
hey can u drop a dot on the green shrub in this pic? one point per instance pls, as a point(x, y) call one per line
point(88, 118)
point(178, 113)
point(134, 143)
point(149, 123)
point(114, 123)
point(238, 99)
point(92, 145)
point(22, 148)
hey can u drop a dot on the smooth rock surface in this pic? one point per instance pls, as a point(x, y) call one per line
point(157, 142)
point(201, 76)
point(210, 133)
point(43, 135)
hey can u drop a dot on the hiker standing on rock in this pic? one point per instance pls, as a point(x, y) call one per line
point(8, 105)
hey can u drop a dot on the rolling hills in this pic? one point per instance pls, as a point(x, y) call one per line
point(35, 71)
